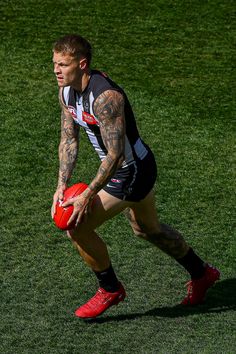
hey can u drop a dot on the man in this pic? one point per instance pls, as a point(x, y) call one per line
point(91, 100)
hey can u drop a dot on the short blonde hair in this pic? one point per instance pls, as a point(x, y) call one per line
point(75, 45)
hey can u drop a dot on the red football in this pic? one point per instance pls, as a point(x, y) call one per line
point(62, 215)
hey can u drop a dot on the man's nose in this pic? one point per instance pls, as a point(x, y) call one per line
point(56, 68)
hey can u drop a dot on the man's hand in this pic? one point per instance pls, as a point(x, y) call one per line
point(82, 207)
point(58, 195)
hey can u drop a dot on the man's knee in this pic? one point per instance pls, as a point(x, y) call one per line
point(139, 228)
point(78, 232)
point(139, 232)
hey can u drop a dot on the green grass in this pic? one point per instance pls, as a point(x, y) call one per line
point(175, 61)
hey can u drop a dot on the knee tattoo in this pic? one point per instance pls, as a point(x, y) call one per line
point(128, 214)
point(169, 241)
point(135, 226)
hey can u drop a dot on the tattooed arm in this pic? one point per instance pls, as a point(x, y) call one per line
point(68, 147)
point(68, 151)
point(109, 110)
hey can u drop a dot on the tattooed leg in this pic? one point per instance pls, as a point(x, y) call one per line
point(169, 241)
point(163, 236)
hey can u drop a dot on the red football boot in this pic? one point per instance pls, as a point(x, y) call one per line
point(197, 288)
point(100, 302)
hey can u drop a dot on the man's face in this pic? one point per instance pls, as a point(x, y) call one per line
point(67, 69)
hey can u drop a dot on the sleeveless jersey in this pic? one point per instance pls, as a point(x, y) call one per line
point(81, 109)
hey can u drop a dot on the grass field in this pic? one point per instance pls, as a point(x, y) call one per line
point(175, 61)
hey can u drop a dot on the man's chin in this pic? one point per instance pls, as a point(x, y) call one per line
point(61, 84)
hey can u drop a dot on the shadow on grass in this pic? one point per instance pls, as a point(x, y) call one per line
point(221, 298)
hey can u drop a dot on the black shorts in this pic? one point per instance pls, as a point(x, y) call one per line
point(134, 182)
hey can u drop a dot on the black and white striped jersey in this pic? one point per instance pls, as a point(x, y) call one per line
point(81, 109)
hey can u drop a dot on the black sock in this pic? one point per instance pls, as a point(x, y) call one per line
point(193, 264)
point(107, 280)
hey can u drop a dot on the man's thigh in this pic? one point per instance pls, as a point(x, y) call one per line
point(143, 215)
point(104, 207)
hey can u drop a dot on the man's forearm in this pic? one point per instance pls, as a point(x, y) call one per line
point(68, 151)
point(106, 170)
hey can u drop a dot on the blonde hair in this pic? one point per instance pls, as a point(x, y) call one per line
point(75, 45)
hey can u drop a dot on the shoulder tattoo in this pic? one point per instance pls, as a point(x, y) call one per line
point(109, 110)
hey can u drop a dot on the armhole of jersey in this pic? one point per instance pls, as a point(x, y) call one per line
point(104, 90)
point(64, 95)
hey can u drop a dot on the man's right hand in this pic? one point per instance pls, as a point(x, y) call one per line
point(58, 195)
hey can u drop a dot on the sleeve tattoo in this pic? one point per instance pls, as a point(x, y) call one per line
point(68, 147)
point(109, 109)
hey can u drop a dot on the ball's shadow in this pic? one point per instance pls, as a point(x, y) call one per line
point(220, 298)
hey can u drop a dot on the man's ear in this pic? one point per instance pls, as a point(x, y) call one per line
point(83, 64)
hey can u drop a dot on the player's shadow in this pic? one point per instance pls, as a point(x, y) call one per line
point(220, 298)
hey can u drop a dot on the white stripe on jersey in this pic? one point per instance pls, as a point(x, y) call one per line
point(91, 99)
point(129, 157)
point(140, 149)
point(134, 178)
point(65, 92)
